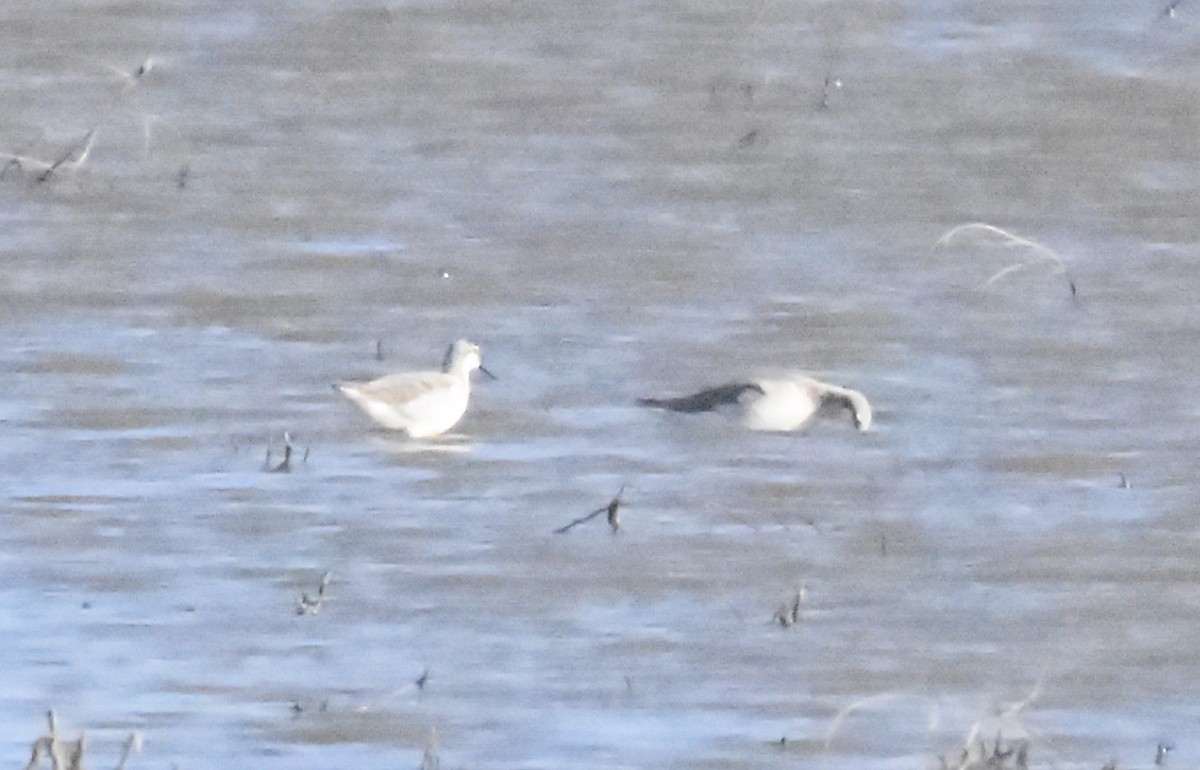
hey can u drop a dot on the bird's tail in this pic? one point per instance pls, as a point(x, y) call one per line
point(705, 400)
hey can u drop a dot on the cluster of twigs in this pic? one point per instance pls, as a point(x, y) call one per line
point(76, 154)
point(67, 753)
point(1014, 755)
point(1002, 755)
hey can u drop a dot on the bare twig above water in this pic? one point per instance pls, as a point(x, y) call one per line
point(429, 758)
point(1040, 254)
point(63, 754)
point(285, 465)
point(1002, 755)
point(133, 744)
point(831, 84)
point(77, 153)
point(417, 685)
point(131, 77)
point(299, 708)
point(311, 605)
point(614, 512)
point(788, 614)
point(978, 753)
point(1008, 714)
point(612, 509)
point(857, 706)
point(72, 158)
point(68, 754)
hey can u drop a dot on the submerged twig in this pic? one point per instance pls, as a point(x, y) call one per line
point(612, 509)
point(311, 605)
point(1042, 254)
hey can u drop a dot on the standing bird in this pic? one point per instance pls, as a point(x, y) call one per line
point(773, 404)
point(421, 403)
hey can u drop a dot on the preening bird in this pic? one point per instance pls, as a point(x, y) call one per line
point(772, 404)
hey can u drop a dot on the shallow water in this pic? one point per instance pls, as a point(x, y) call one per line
point(614, 202)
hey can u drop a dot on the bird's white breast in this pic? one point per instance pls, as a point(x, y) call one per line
point(782, 406)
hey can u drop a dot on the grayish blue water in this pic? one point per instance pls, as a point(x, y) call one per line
point(614, 202)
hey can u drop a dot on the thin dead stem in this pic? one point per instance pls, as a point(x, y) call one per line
point(859, 705)
point(613, 509)
point(1040, 253)
point(980, 751)
point(76, 154)
point(66, 754)
point(311, 605)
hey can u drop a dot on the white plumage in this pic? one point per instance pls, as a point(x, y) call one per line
point(772, 404)
point(422, 403)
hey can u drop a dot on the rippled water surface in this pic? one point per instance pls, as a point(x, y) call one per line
point(614, 201)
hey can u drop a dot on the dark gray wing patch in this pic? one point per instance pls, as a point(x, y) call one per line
point(705, 400)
